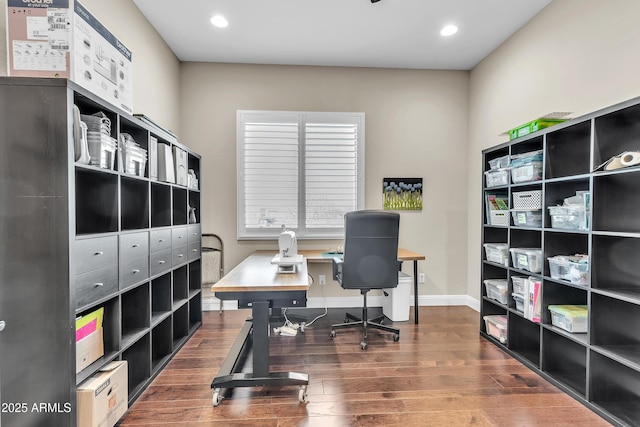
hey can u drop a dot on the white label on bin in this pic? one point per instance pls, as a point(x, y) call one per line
point(522, 218)
point(523, 260)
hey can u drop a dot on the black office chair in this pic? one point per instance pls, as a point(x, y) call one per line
point(370, 261)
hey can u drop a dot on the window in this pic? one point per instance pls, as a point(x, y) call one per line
point(303, 170)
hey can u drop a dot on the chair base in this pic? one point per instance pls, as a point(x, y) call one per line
point(352, 321)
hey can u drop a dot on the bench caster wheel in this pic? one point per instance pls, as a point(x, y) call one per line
point(332, 334)
point(363, 345)
point(217, 397)
point(302, 394)
point(396, 337)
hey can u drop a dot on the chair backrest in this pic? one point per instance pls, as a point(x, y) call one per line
point(370, 250)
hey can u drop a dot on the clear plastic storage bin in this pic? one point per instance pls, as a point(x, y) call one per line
point(571, 217)
point(531, 218)
point(519, 299)
point(500, 162)
point(519, 284)
point(497, 252)
point(571, 318)
point(497, 290)
point(496, 326)
point(574, 268)
point(498, 177)
point(526, 167)
point(529, 259)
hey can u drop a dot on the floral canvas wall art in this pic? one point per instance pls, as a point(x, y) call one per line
point(402, 194)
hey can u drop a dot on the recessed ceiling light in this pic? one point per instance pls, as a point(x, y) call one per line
point(449, 30)
point(219, 21)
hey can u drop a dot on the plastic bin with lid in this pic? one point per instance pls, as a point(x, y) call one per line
point(500, 162)
point(497, 252)
point(496, 326)
point(519, 285)
point(529, 259)
point(571, 318)
point(497, 290)
point(573, 268)
point(497, 177)
point(528, 218)
point(519, 299)
point(526, 167)
point(572, 217)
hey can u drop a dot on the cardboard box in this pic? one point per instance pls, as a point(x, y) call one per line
point(60, 38)
point(89, 349)
point(104, 398)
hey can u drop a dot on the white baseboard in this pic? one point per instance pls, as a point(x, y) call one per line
point(213, 304)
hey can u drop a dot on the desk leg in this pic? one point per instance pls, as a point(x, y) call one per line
point(254, 336)
point(415, 291)
point(260, 312)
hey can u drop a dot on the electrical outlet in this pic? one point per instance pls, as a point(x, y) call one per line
point(322, 279)
point(421, 278)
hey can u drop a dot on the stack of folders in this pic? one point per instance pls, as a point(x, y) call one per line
point(89, 339)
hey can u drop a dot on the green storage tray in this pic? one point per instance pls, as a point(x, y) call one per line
point(533, 126)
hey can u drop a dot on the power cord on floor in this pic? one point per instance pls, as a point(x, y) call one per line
point(291, 329)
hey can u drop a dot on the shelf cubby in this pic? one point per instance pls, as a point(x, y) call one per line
point(523, 238)
point(524, 338)
point(161, 298)
point(179, 204)
point(614, 265)
point(134, 203)
point(135, 314)
point(571, 142)
point(160, 205)
point(195, 312)
point(139, 365)
point(96, 201)
point(565, 360)
point(616, 202)
point(563, 244)
point(161, 344)
point(615, 388)
point(180, 325)
point(195, 276)
point(614, 324)
point(110, 336)
point(194, 202)
point(616, 132)
point(180, 286)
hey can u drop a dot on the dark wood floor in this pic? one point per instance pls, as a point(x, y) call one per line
point(440, 373)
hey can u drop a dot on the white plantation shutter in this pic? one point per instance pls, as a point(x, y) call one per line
point(301, 170)
point(331, 175)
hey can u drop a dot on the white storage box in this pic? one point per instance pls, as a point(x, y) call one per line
point(103, 399)
point(396, 305)
point(519, 285)
point(500, 163)
point(497, 252)
point(496, 326)
point(574, 268)
point(519, 299)
point(527, 173)
point(572, 318)
point(527, 218)
point(498, 217)
point(497, 290)
point(529, 259)
point(496, 178)
point(571, 217)
point(527, 200)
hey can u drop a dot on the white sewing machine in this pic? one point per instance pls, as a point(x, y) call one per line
point(287, 259)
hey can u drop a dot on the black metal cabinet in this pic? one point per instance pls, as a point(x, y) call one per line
point(600, 367)
point(77, 237)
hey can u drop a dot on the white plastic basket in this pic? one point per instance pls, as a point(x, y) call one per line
point(527, 200)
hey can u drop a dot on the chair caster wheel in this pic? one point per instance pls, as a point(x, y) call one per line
point(332, 334)
point(396, 337)
point(303, 325)
point(363, 345)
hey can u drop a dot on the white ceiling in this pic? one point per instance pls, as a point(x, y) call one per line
point(355, 33)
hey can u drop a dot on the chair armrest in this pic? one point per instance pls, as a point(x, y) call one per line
point(337, 269)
